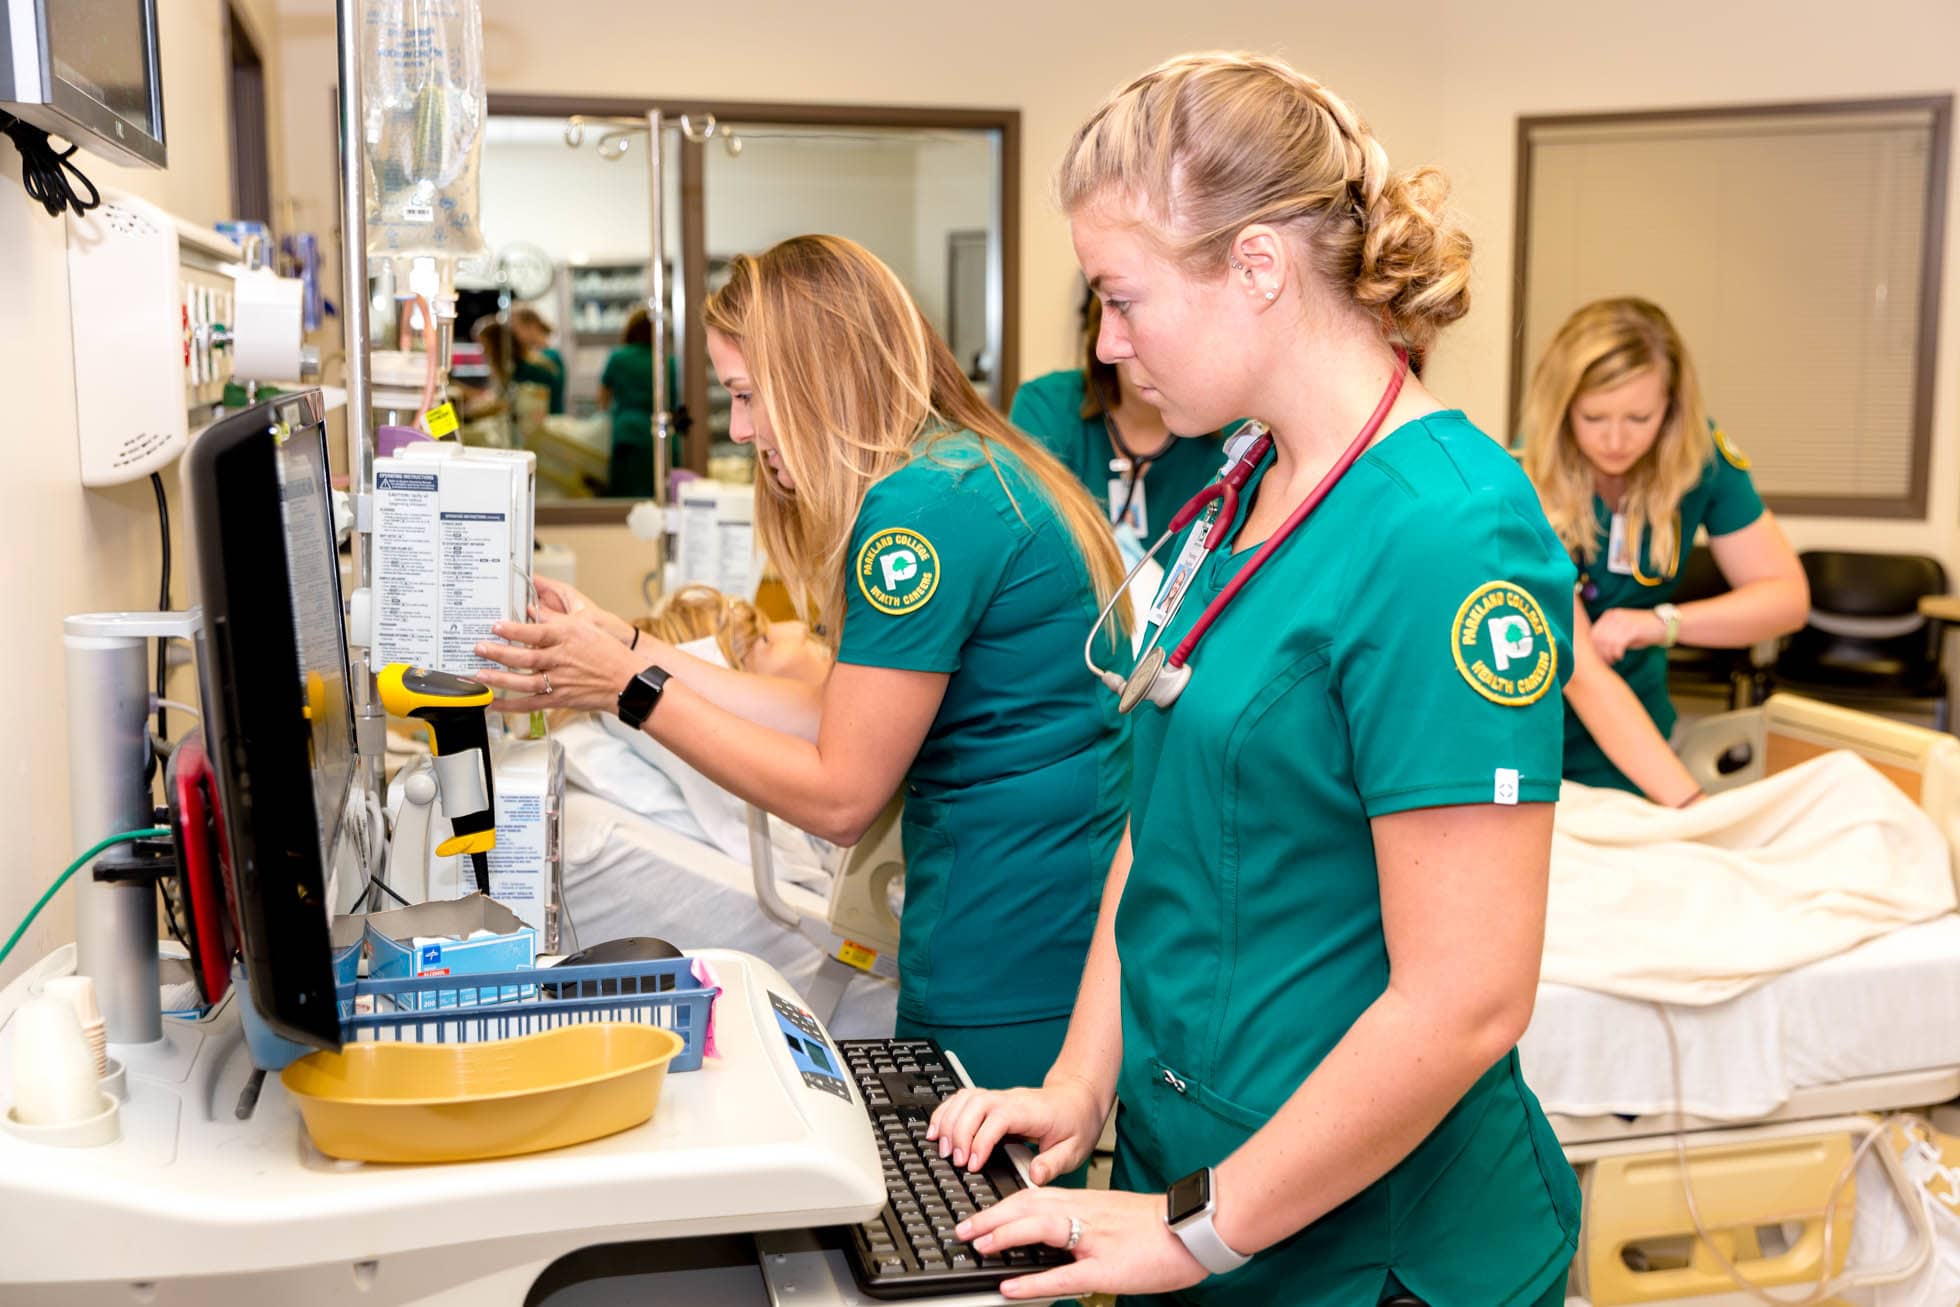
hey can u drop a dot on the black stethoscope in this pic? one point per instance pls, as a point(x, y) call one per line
point(1157, 678)
point(1135, 465)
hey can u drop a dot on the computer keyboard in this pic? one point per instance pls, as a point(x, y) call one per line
point(909, 1249)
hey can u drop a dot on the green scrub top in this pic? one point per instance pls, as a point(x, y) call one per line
point(1404, 649)
point(1049, 408)
point(547, 370)
point(1724, 501)
point(628, 379)
point(1016, 801)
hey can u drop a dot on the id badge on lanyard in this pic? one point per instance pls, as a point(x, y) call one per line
point(1619, 549)
point(1178, 580)
point(1123, 489)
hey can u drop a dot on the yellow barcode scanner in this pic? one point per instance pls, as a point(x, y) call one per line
point(454, 708)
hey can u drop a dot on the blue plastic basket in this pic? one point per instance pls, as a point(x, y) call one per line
point(506, 1004)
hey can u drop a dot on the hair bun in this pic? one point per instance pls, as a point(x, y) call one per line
point(1415, 259)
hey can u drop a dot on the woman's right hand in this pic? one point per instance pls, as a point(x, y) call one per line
point(558, 597)
point(1063, 1117)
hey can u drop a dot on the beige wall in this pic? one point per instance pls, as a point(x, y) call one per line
point(1441, 82)
point(66, 549)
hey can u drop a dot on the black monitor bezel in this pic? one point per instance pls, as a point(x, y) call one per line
point(255, 723)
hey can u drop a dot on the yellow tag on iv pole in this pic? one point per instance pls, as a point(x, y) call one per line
point(442, 420)
point(857, 955)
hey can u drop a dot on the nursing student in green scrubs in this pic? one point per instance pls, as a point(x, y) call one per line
point(536, 361)
point(1629, 468)
point(1313, 965)
point(1114, 439)
point(626, 393)
point(958, 568)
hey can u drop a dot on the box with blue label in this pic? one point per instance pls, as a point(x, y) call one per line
point(460, 937)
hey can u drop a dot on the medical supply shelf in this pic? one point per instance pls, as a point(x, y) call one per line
point(506, 1004)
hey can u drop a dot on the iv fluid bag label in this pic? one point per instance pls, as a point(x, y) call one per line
point(405, 564)
point(474, 547)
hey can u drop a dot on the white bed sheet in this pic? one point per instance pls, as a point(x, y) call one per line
point(1890, 1005)
point(629, 875)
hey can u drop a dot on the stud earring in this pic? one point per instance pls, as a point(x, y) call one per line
point(1269, 294)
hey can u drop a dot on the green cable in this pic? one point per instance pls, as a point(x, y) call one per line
point(73, 867)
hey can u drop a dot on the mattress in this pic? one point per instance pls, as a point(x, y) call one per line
point(630, 875)
point(1888, 1006)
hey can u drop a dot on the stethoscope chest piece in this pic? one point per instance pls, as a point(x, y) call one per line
point(1154, 680)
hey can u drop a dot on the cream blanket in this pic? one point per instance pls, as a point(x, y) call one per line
point(1697, 906)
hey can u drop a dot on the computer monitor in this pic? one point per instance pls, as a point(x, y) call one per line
point(88, 71)
point(278, 716)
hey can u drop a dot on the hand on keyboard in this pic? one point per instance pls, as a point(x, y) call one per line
point(1063, 1118)
point(909, 1249)
point(1123, 1245)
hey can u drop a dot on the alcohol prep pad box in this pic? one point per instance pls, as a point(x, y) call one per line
point(453, 533)
point(448, 939)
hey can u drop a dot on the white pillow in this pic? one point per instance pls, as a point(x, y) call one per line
point(718, 817)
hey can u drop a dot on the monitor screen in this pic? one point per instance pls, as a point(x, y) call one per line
point(102, 49)
point(319, 633)
point(278, 718)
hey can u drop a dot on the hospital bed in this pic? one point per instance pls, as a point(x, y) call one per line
point(627, 874)
point(1771, 1091)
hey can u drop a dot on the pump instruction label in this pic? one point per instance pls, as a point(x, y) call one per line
point(517, 862)
point(405, 565)
point(474, 549)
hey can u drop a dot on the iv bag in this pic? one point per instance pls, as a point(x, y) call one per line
point(422, 115)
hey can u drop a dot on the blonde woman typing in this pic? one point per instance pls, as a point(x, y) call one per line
point(1629, 467)
point(957, 567)
point(1321, 941)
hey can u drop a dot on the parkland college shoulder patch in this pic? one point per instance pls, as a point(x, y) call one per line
point(897, 571)
point(1503, 646)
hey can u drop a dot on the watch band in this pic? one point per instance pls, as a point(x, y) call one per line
point(1202, 1241)
point(1195, 1229)
point(1671, 619)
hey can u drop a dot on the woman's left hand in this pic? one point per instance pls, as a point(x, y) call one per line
point(558, 661)
point(1619, 629)
point(1124, 1246)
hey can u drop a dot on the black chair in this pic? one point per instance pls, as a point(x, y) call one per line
point(1733, 670)
point(1866, 642)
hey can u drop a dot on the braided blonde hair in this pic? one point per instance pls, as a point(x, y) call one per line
point(1209, 144)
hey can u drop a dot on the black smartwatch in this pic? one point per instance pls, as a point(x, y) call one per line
point(641, 696)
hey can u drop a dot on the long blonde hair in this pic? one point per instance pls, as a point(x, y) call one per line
point(1208, 144)
point(696, 612)
point(851, 376)
point(1599, 347)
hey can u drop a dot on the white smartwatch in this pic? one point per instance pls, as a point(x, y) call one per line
point(1190, 1204)
point(1671, 620)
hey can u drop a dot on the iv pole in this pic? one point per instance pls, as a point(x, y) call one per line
point(371, 720)
point(663, 418)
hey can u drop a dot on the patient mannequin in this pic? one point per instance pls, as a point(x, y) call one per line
point(747, 639)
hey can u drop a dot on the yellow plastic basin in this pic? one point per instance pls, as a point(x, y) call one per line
point(397, 1102)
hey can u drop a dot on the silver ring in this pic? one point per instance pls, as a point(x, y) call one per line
point(1074, 1233)
point(547, 681)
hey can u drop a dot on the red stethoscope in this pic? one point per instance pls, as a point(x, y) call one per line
point(1159, 679)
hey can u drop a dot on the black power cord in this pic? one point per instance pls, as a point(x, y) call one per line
point(44, 171)
point(163, 605)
